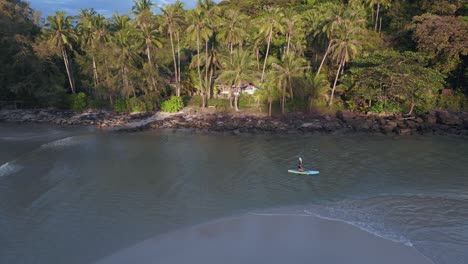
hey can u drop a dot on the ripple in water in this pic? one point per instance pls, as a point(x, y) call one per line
point(9, 168)
point(431, 224)
point(14, 166)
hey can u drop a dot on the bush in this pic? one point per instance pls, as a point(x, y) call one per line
point(97, 103)
point(247, 101)
point(150, 102)
point(174, 104)
point(296, 105)
point(120, 105)
point(388, 108)
point(135, 105)
point(195, 100)
point(77, 102)
point(455, 102)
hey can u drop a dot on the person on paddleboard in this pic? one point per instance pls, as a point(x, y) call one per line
point(300, 166)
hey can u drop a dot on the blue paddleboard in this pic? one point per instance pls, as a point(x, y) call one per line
point(304, 172)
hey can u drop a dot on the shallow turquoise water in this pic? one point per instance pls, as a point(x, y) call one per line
point(73, 195)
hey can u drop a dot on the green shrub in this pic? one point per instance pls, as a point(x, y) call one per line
point(454, 102)
point(174, 104)
point(246, 101)
point(77, 102)
point(150, 102)
point(120, 105)
point(195, 100)
point(388, 108)
point(296, 105)
point(97, 103)
point(135, 105)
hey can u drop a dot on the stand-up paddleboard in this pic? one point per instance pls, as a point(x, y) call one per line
point(304, 172)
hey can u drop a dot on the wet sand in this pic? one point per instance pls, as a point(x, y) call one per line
point(269, 239)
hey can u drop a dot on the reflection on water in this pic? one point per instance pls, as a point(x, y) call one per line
point(78, 191)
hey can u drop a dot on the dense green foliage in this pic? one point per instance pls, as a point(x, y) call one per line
point(172, 105)
point(78, 101)
point(366, 55)
point(132, 105)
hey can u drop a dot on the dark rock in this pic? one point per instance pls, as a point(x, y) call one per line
point(404, 131)
point(418, 120)
point(387, 129)
point(446, 118)
point(411, 124)
point(345, 115)
point(430, 117)
point(392, 124)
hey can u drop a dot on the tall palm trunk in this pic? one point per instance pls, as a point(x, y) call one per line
point(68, 69)
point(336, 80)
point(236, 101)
point(257, 53)
point(289, 43)
point(211, 77)
point(199, 71)
point(269, 107)
point(96, 79)
point(290, 87)
point(283, 99)
point(208, 85)
point(266, 55)
point(377, 15)
point(175, 62)
point(125, 80)
point(324, 57)
point(178, 57)
point(148, 54)
point(231, 50)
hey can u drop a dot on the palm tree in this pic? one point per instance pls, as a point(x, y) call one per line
point(150, 36)
point(293, 26)
point(141, 6)
point(346, 46)
point(93, 31)
point(120, 22)
point(59, 32)
point(289, 68)
point(172, 15)
point(324, 18)
point(271, 23)
point(233, 29)
point(125, 41)
point(196, 23)
point(269, 92)
point(318, 87)
point(330, 18)
point(148, 31)
point(377, 4)
point(210, 17)
point(240, 69)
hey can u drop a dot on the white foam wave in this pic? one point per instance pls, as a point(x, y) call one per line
point(64, 142)
point(8, 168)
point(368, 228)
point(279, 214)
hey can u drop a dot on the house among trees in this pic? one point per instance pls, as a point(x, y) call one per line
point(246, 88)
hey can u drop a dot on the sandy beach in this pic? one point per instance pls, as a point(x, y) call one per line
point(269, 239)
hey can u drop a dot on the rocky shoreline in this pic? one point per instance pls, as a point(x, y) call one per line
point(434, 122)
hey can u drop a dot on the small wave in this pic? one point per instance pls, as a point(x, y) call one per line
point(8, 168)
point(366, 227)
point(280, 214)
point(64, 142)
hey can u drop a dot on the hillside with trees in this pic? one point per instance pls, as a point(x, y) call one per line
point(380, 56)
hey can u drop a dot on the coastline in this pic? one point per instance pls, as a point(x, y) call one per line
point(269, 239)
point(432, 123)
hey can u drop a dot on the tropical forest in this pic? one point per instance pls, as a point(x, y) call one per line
point(379, 56)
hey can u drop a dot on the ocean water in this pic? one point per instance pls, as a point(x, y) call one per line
point(75, 195)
